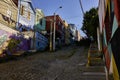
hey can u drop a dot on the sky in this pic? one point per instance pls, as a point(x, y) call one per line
point(70, 11)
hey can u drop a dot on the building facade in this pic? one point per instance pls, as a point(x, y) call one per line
point(8, 13)
point(78, 36)
point(41, 42)
point(67, 33)
point(8, 20)
point(26, 20)
point(40, 22)
point(59, 29)
point(72, 29)
point(109, 19)
point(26, 15)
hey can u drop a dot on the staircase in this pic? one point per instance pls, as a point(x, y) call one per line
point(95, 68)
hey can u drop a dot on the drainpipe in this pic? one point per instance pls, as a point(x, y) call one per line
point(19, 8)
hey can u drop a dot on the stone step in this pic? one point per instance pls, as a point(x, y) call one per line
point(97, 63)
point(94, 69)
point(93, 76)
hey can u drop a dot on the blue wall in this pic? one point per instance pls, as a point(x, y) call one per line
point(40, 41)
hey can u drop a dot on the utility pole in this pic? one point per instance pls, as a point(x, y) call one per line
point(51, 35)
point(54, 31)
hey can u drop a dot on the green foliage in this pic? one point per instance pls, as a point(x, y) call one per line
point(13, 44)
point(90, 23)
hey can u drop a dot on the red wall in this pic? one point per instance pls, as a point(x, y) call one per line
point(117, 9)
point(107, 57)
point(58, 26)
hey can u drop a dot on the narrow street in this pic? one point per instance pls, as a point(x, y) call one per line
point(68, 63)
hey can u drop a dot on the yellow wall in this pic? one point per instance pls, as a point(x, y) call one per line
point(65, 24)
point(10, 10)
point(115, 71)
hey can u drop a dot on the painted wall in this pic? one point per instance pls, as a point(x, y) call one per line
point(117, 10)
point(3, 40)
point(41, 42)
point(40, 22)
point(26, 15)
point(18, 43)
point(5, 33)
point(60, 28)
point(8, 13)
point(109, 24)
point(12, 42)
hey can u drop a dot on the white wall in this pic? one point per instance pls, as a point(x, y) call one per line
point(23, 18)
point(101, 13)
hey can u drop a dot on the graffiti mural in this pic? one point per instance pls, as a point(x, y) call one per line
point(13, 43)
point(17, 43)
point(3, 40)
point(41, 41)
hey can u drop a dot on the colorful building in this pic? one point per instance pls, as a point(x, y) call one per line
point(109, 19)
point(26, 20)
point(8, 13)
point(40, 22)
point(78, 36)
point(26, 15)
point(67, 33)
point(8, 20)
point(41, 42)
point(59, 29)
point(72, 29)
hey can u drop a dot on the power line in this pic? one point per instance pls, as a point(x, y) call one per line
point(81, 7)
point(73, 17)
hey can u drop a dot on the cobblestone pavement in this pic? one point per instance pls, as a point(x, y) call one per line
point(65, 64)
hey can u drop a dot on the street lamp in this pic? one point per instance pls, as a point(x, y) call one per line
point(55, 27)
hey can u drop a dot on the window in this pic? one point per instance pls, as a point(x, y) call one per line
point(22, 10)
point(28, 15)
point(40, 21)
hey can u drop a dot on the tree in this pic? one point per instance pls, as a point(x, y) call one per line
point(90, 23)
